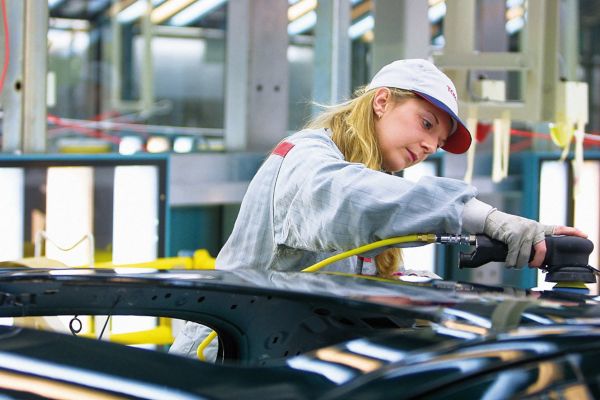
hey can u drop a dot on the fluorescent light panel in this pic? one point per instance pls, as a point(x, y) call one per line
point(54, 3)
point(158, 144)
point(514, 25)
point(168, 9)
point(436, 12)
point(361, 27)
point(301, 8)
point(196, 11)
point(302, 24)
point(302, 18)
point(135, 11)
point(514, 3)
point(130, 145)
point(69, 24)
point(183, 144)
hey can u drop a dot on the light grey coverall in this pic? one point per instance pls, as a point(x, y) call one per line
point(307, 203)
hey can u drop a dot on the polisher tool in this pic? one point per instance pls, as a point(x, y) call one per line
point(566, 261)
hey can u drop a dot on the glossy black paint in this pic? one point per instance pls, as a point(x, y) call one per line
point(314, 336)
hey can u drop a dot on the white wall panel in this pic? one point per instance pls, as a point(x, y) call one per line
point(420, 258)
point(554, 192)
point(69, 213)
point(587, 210)
point(135, 216)
point(11, 213)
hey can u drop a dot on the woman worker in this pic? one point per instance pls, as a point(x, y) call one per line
point(328, 188)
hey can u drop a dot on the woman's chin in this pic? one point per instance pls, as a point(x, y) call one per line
point(395, 168)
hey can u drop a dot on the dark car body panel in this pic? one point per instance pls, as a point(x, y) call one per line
point(311, 335)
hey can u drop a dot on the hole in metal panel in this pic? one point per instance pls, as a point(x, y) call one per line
point(380, 323)
point(322, 311)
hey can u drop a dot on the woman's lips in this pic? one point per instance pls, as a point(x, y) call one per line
point(412, 155)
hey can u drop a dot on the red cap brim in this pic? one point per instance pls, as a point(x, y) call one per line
point(460, 140)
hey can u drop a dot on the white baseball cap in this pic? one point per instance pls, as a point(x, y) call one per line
point(424, 79)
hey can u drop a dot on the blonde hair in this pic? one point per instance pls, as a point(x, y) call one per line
point(352, 124)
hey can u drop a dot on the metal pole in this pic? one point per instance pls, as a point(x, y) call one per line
point(147, 89)
point(35, 69)
point(332, 52)
point(12, 93)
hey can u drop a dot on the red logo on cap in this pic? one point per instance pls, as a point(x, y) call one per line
point(452, 92)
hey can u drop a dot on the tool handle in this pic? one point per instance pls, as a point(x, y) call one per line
point(486, 250)
point(560, 251)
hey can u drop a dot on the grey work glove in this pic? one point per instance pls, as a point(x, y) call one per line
point(520, 234)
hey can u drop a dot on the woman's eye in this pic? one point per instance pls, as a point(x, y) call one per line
point(428, 125)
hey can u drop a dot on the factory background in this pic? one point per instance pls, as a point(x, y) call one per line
point(163, 110)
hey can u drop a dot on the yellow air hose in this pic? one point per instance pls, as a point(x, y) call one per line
point(204, 344)
point(419, 237)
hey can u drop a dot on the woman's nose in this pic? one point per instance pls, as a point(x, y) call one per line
point(429, 146)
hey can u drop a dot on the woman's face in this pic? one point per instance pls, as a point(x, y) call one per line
point(409, 130)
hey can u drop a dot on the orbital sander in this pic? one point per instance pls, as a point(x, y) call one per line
point(566, 262)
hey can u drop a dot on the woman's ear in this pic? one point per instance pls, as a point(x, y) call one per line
point(380, 101)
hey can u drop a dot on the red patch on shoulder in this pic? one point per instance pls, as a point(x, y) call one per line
point(282, 149)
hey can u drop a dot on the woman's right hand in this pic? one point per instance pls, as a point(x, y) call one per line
point(521, 235)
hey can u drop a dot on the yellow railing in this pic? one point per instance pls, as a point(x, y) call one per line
point(162, 334)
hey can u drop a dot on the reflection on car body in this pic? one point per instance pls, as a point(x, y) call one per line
point(287, 335)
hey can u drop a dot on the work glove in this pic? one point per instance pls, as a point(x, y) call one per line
point(520, 234)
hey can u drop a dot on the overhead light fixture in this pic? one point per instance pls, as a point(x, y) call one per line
point(166, 10)
point(361, 27)
point(196, 11)
point(302, 24)
point(301, 8)
point(184, 144)
point(439, 41)
point(130, 145)
point(303, 17)
point(514, 3)
point(54, 3)
point(515, 16)
point(69, 24)
point(135, 10)
point(515, 12)
point(514, 25)
point(158, 144)
point(436, 12)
